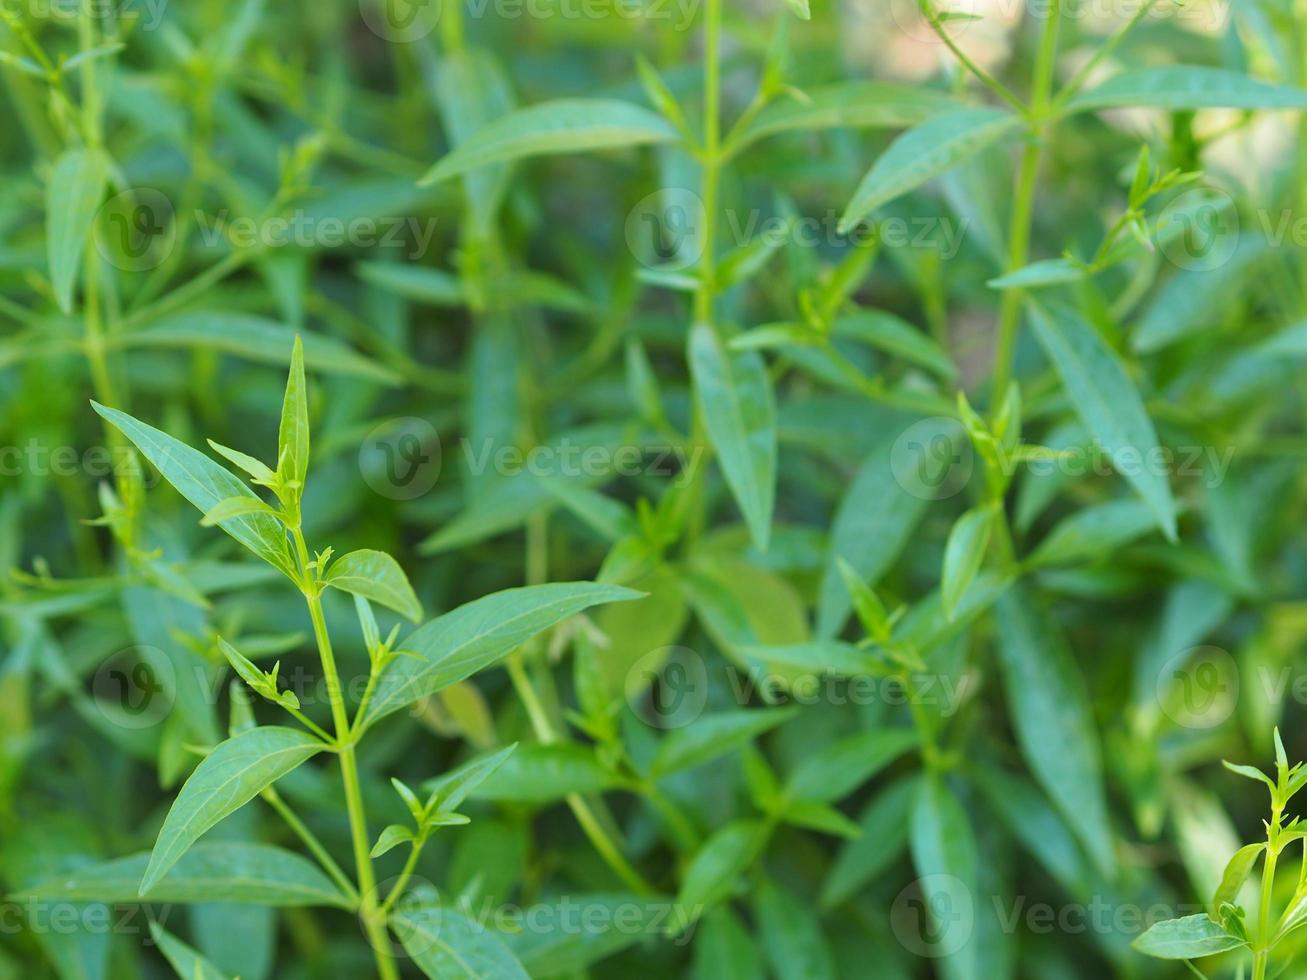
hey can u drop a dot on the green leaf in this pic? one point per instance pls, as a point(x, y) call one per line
point(451, 789)
point(1108, 404)
point(72, 198)
point(862, 105)
point(562, 938)
point(735, 395)
point(724, 949)
point(1049, 707)
point(838, 768)
point(1189, 938)
point(1236, 873)
point(712, 872)
point(965, 551)
point(924, 153)
point(819, 658)
point(414, 282)
point(205, 484)
point(1094, 532)
point(225, 510)
point(791, 935)
point(218, 871)
point(884, 826)
point(887, 332)
point(390, 838)
point(1180, 87)
point(377, 576)
point(448, 946)
point(545, 773)
point(256, 339)
point(712, 736)
point(1047, 272)
point(293, 436)
point(185, 961)
point(945, 856)
point(229, 777)
point(476, 635)
point(563, 126)
point(800, 8)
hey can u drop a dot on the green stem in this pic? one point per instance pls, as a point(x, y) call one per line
point(988, 80)
point(315, 846)
point(712, 70)
point(1262, 952)
point(402, 881)
point(373, 921)
point(1023, 204)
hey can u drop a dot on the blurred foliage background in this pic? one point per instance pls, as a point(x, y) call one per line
point(500, 395)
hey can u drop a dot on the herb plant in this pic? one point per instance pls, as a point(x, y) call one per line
point(855, 455)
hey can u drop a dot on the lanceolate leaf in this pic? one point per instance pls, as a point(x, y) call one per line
point(185, 961)
point(565, 126)
point(1109, 405)
point(376, 576)
point(712, 736)
point(545, 773)
point(964, 553)
point(448, 946)
point(1189, 938)
point(945, 857)
point(853, 104)
point(1050, 710)
point(228, 778)
point(476, 635)
point(839, 768)
point(738, 410)
point(205, 484)
point(77, 184)
point(226, 871)
point(926, 152)
point(293, 437)
point(1178, 87)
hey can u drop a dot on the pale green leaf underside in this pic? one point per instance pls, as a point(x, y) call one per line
point(740, 414)
point(864, 105)
point(1179, 87)
point(926, 152)
point(475, 635)
point(376, 576)
point(1109, 405)
point(229, 777)
point(72, 198)
point(226, 871)
point(448, 946)
point(1189, 938)
point(564, 126)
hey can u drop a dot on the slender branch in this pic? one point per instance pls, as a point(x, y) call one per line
point(990, 82)
point(315, 846)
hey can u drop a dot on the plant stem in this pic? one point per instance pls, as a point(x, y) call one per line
point(311, 841)
point(712, 83)
point(373, 921)
point(402, 881)
point(1023, 204)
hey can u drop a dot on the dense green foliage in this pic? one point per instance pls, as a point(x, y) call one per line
point(575, 488)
